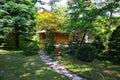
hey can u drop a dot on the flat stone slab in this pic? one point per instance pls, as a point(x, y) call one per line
point(50, 63)
point(69, 75)
point(58, 67)
point(2, 71)
point(77, 78)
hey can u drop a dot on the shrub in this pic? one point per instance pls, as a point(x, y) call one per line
point(114, 45)
point(1, 39)
point(30, 49)
point(33, 46)
point(86, 53)
point(49, 48)
point(98, 44)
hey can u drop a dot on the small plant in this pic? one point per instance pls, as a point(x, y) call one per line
point(49, 48)
point(30, 49)
point(86, 53)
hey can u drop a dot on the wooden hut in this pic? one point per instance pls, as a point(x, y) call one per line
point(59, 37)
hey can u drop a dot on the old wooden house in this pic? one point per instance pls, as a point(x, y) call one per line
point(59, 37)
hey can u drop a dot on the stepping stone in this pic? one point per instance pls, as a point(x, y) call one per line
point(69, 75)
point(64, 71)
point(50, 59)
point(60, 68)
point(50, 63)
point(53, 66)
point(46, 61)
point(77, 78)
point(1, 71)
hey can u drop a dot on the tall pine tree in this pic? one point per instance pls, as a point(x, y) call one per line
point(17, 18)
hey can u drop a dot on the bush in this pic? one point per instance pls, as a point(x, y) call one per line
point(31, 49)
point(86, 53)
point(49, 48)
point(114, 45)
point(98, 44)
point(1, 41)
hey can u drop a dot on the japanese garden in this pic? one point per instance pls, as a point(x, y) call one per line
point(59, 40)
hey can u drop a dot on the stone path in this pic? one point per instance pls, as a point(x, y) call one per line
point(58, 68)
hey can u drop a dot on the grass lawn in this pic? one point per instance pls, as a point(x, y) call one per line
point(103, 70)
point(16, 66)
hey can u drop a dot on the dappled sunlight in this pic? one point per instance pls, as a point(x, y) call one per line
point(3, 51)
point(26, 64)
point(107, 62)
point(86, 69)
point(32, 63)
point(29, 63)
point(38, 72)
point(102, 70)
point(25, 75)
point(115, 73)
point(20, 67)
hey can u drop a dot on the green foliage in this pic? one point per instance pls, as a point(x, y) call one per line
point(114, 45)
point(98, 44)
point(49, 47)
point(17, 18)
point(93, 17)
point(82, 13)
point(49, 21)
point(1, 40)
point(86, 53)
point(30, 49)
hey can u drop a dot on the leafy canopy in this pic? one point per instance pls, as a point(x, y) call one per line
point(17, 14)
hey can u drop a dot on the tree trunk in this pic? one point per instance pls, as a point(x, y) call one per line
point(83, 38)
point(16, 39)
point(108, 31)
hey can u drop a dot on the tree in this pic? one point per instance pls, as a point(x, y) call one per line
point(61, 11)
point(52, 3)
point(83, 15)
point(49, 21)
point(109, 8)
point(17, 17)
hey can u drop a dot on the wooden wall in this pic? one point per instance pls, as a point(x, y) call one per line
point(59, 38)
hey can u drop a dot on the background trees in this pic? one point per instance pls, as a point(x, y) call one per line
point(88, 15)
point(93, 18)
